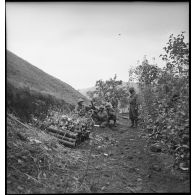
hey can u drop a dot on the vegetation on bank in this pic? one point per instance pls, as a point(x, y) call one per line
point(32, 92)
point(37, 163)
point(26, 103)
point(164, 109)
point(163, 98)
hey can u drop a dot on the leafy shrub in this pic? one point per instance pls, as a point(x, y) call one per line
point(106, 90)
point(165, 95)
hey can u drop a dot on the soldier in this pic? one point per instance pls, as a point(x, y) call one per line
point(102, 117)
point(114, 102)
point(111, 114)
point(133, 107)
point(94, 111)
point(80, 108)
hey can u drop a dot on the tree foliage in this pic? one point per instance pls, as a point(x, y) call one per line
point(106, 90)
point(176, 55)
point(165, 99)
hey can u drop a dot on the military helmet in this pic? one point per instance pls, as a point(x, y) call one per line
point(131, 89)
point(80, 100)
point(103, 103)
point(101, 107)
point(108, 105)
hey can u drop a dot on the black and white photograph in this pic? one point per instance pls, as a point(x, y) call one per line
point(97, 97)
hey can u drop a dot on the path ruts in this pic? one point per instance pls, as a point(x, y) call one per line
point(121, 162)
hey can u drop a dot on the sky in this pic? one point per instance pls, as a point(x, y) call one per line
point(80, 43)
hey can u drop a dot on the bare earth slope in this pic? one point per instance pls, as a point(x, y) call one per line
point(21, 73)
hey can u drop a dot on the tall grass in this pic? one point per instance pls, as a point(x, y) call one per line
point(26, 103)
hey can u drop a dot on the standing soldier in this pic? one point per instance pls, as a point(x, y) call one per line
point(133, 107)
point(114, 102)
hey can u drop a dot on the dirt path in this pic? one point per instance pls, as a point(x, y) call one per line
point(121, 162)
point(116, 160)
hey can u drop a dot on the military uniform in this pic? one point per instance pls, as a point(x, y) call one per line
point(111, 114)
point(133, 108)
point(80, 108)
point(102, 117)
point(114, 102)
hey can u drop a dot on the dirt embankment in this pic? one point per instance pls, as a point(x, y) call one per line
point(113, 160)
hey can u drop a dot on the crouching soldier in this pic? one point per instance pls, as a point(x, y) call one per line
point(111, 114)
point(80, 108)
point(94, 112)
point(102, 117)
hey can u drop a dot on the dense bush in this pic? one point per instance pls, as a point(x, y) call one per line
point(165, 100)
point(26, 103)
point(106, 90)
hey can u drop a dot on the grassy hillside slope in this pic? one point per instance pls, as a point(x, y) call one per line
point(38, 164)
point(21, 74)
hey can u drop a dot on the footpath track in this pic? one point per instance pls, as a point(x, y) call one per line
point(120, 162)
point(113, 160)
